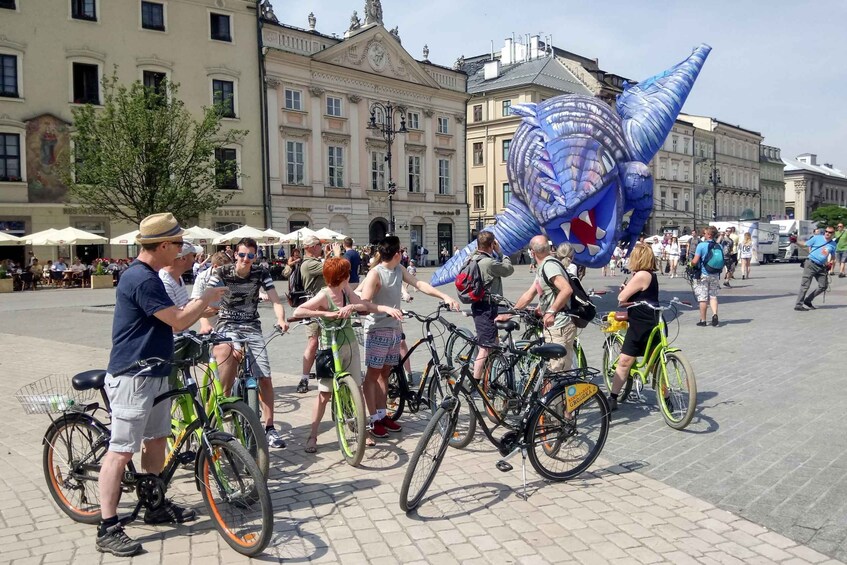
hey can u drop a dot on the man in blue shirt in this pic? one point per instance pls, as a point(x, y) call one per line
point(707, 286)
point(821, 253)
point(143, 326)
point(355, 261)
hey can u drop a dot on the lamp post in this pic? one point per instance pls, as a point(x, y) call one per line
point(715, 179)
point(386, 129)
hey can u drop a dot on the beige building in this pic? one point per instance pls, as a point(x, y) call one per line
point(673, 183)
point(54, 54)
point(772, 182)
point(810, 185)
point(328, 169)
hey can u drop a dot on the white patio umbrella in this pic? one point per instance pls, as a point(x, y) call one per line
point(9, 239)
point(125, 239)
point(74, 236)
point(684, 238)
point(327, 235)
point(201, 236)
point(40, 238)
point(242, 232)
point(297, 235)
point(273, 233)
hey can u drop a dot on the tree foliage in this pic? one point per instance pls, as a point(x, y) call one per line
point(143, 153)
point(829, 215)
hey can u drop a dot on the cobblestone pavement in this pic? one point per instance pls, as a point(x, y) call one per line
point(765, 448)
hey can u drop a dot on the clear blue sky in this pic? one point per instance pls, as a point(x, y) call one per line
point(777, 66)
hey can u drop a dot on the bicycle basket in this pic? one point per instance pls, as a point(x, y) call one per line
point(610, 325)
point(53, 394)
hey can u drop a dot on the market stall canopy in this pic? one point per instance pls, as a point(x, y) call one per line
point(684, 238)
point(245, 231)
point(202, 236)
point(8, 239)
point(327, 235)
point(125, 239)
point(297, 235)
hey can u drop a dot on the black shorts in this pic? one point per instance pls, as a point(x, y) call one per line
point(484, 314)
point(637, 335)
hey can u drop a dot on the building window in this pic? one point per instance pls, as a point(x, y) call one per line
point(479, 197)
point(86, 84)
point(507, 108)
point(293, 99)
point(477, 154)
point(153, 16)
point(220, 25)
point(10, 157)
point(685, 146)
point(377, 170)
point(154, 81)
point(333, 106)
point(443, 176)
point(294, 162)
point(413, 119)
point(477, 113)
point(223, 95)
point(663, 195)
point(685, 172)
point(507, 193)
point(443, 125)
point(506, 144)
point(9, 76)
point(7, 4)
point(336, 166)
point(84, 10)
point(675, 200)
point(663, 168)
point(674, 144)
point(226, 168)
point(414, 173)
point(675, 169)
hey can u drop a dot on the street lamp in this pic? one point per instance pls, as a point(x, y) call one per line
point(715, 179)
point(386, 129)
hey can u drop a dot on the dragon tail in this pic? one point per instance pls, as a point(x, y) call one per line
point(514, 228)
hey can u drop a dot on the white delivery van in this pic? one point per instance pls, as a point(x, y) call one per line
point(765, 238)
point(792, 235)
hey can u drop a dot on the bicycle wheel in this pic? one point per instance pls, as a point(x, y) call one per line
point(465, 425)
point(244, 424)
point(459, 349)
point(611, 352)
point(348, 405)
point(253, 401)
point(426, 459)
point(72, 484)
point(236, 495)
point(398, 388)
point(499, 386)
point(676, 390)
point(562, 446)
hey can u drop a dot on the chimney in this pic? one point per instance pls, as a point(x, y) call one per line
point(808, 158)
point(533, 47)
point(506, 53)
point(491, 70)
point(828, 165)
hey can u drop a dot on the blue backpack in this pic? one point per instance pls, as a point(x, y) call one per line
point(714, 262)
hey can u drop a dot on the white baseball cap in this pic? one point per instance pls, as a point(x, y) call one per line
point(189, 248)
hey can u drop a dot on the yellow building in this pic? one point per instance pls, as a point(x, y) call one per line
point(54, 54)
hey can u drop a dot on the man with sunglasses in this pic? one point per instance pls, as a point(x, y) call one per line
point(821, 253)
point(238, 318)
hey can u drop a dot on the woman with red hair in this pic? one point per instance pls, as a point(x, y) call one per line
point(335, 303)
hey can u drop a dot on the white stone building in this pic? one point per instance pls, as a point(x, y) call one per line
point(673, 183)
point(810, 185)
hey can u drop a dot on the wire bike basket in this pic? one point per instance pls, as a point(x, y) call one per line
point(53, 394)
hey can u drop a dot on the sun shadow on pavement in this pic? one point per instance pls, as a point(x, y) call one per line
point(460, 501)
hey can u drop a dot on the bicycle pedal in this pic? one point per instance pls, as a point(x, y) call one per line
point(186, 457)
point(504, 466)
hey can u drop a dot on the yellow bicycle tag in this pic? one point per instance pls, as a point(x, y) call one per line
point(577, 393)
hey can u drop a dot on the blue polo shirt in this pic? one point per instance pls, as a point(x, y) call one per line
point(353, 256)
point(820, 250)
point(136, 332)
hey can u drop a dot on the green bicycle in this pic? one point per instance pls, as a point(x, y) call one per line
point(669, 372)
point(348, 404)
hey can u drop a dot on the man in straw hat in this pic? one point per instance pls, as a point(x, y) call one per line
point(143, 326)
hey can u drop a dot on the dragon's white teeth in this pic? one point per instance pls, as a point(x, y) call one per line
point(566, 227)
point(600, 233)
point(593, 249)
point(578, 247)
point(585, 217)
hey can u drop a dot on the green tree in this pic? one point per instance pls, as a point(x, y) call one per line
point(143, 152)
point(829, 215)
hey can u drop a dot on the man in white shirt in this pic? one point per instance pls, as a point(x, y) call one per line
point(218, 259)
point(172, 276)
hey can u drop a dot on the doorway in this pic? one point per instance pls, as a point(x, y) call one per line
point(378, 230)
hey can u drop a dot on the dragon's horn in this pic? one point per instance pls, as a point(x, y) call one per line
point(650, 107)
point(514, 228)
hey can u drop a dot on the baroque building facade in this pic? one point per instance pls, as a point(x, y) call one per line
point(810, 185)
point(772, 182)
point(327, 167)
point(54, 55)
point(673, 183)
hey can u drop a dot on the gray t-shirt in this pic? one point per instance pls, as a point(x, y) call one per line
point(493, 270)
point(552, 268)
point(389, 294)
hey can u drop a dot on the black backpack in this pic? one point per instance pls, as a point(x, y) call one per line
point(297, 294)
point(714, 260)
point(469, 283)
point(581, 309)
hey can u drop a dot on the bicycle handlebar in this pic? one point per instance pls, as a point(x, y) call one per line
point(671, 303)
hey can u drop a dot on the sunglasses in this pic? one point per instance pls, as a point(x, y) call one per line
point(250, 256)
point(175, 242)
point(830, 232)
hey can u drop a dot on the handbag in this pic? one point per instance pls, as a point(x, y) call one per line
point(324, 364)
point(667, 268)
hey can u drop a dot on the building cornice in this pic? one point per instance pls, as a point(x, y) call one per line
point(226, 71)
point(85, 52)
point(155, 61)
point(9, 44)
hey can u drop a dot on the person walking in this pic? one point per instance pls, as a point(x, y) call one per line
point(821, 253)
point(745, 255)
point(355, 261)
point(673, 256)
point(840, 239)
point(707, 286)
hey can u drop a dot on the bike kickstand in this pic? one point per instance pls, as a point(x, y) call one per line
point(523, 468)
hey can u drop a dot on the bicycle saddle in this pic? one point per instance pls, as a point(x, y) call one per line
point(508, 326)
point(549, 351)
point(89, 379)
point(622, 316)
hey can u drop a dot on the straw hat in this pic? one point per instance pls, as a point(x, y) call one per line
point(158, 228)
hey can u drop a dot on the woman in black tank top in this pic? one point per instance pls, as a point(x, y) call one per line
point(643, 286)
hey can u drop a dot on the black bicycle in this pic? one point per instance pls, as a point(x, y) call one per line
point(562, 428)
point(233, 488)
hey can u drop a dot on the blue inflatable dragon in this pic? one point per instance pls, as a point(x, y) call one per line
point(576, 167)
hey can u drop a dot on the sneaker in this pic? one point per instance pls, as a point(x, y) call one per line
point(378, 430)
point(809, 306)
point(715, 320)
point(169, 513)
point(702, 323)
point(726, 284)
point(390, 425)
point(613, 404)
point(116, 542)
point(274, 440)
point(800, 308)
point(841, 275)
point(303, 386)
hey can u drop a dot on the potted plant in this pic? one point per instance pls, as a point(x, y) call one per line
point(6, 282)
point(101, 278)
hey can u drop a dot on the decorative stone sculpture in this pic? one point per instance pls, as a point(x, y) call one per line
point(373, 12)
point(354, 22)
point(268, 11)
point(459, 65)
point(312, 21)
point(426, 53)
point(395, 33)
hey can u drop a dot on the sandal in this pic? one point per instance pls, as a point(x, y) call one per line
point(312, 445)
point(369, 442)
